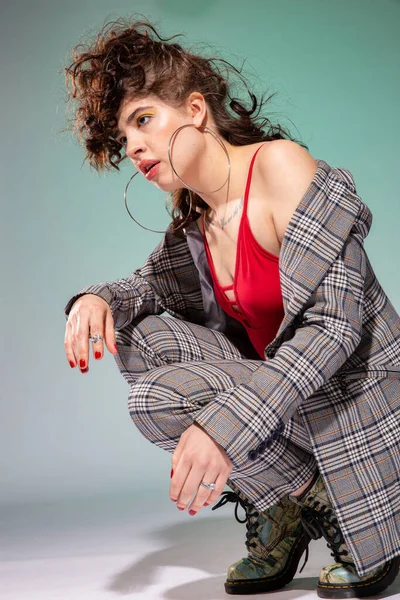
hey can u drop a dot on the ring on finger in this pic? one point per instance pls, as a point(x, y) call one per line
point(210, 486)
point(95, 338)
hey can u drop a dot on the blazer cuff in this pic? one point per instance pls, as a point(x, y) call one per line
point(233, 429)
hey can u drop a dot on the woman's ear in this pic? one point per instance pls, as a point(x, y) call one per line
point(197, 108)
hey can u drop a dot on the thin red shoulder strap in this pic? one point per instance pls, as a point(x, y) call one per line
point(247, 191)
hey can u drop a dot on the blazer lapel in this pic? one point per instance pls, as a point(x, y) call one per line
point(317, 231)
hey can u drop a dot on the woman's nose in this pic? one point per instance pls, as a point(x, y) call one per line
point(134, 149)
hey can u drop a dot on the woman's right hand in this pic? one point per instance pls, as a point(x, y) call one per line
point(90, 314)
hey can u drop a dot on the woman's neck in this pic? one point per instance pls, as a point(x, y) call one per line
point(213, 168)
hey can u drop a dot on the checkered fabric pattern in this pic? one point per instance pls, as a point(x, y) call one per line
point(335, 358)
point(176, 368)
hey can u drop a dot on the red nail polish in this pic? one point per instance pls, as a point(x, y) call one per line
point(115, 346)
point(85, 370)
point(72, 364)
point(180, 508)
point(172, 472)
point(97, 354)
point(206, 504)
point(82, 363)
point(192, 512)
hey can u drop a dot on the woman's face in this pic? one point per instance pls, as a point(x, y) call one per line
point(145, 128)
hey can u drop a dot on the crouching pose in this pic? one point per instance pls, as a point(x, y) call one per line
point(276, 370)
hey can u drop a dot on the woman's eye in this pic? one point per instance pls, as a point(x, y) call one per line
point(123, 140)
point(140, 122)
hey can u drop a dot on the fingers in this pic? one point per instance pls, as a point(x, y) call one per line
point(220, 482)
point(80, 342)
point(202, 494)
point(197, 457)
point(76, 341)
point(186, 487)
point(89, 316)
point(96, 331)
point(109, 334)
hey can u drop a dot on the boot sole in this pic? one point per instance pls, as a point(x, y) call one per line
point(364, 588)
point(276, 582)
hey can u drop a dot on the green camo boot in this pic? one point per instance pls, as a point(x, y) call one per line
point(340, 579)
point(275, 540)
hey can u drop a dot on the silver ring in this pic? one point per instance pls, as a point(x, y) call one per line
point(96, 338)
point(210, 486)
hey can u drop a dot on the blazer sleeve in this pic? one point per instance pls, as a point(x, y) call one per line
point(128, 298)
point(245, 418)
point(167, 282)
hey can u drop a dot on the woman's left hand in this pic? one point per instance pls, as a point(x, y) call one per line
point(198, 458)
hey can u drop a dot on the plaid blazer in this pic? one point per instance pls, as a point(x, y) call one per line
point(335, 357)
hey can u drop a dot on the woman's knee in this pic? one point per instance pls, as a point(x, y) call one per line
point(157, 391)
point(136, 354)
point(158, 408)
point(140, 332)
point(155, 338)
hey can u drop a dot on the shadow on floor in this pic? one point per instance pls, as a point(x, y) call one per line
point(210, 546)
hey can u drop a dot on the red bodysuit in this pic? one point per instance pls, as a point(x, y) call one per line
point(256, 283)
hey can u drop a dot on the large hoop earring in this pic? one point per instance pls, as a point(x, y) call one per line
point(219, 140)
point(129, 212)
point(132, 217)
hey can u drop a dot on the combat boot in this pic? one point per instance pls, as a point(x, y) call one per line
point(340, 579)
point(275, 540)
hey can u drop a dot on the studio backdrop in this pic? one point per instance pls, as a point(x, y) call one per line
point(333, 70)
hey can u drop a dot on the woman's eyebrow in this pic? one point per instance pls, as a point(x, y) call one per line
point(132, 115)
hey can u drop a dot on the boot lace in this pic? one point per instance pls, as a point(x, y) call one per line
point(251, 516)
point(318, 521)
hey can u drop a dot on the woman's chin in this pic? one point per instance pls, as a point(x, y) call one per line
point(164, 187)
point(167, 186)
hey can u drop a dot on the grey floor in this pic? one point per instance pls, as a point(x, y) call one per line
point(117, 546)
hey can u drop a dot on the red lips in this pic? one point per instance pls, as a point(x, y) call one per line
point(145, 165)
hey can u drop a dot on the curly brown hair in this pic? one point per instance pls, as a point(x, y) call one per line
point(128, 59)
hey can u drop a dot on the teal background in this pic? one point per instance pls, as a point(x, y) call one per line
point(335, 66)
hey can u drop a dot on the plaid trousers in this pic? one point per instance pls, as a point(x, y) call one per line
point(174, 368)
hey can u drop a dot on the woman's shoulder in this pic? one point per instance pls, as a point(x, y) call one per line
point(285, 170)
point(281, 157)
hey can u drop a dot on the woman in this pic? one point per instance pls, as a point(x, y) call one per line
point(278, 373)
